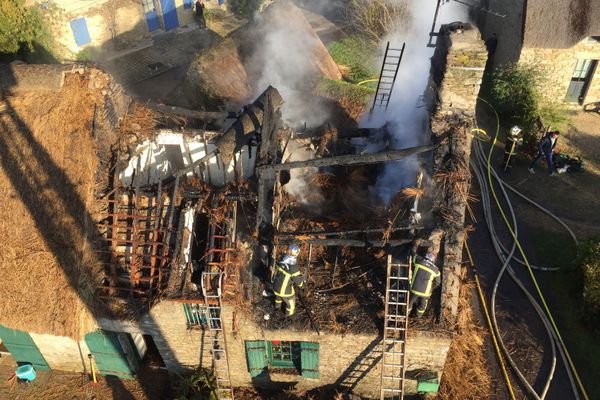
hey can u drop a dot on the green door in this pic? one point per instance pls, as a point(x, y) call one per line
point(113, 353)
point(22, 348)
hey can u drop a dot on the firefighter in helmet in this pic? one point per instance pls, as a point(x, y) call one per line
point(514, 139)
point(425, 278)
point(286, 275)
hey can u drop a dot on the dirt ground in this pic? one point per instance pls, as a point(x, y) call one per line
point(59, 385)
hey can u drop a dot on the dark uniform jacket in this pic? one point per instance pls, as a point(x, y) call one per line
point(426, 277)
point(286, 272)
point(546, 146)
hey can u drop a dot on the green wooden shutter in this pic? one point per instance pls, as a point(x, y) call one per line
point(108, 354)
point(257, 358)
point(22, 348)
point(310, 360)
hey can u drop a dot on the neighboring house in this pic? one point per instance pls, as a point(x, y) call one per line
point(83, 23)
point(560, 37)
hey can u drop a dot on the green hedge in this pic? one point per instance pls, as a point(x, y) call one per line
point(589, 264)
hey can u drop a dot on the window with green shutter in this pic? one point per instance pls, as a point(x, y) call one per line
point(257, 357)
point(283, 354)
point(284, 357)
point(195, 315)
point(310, 360)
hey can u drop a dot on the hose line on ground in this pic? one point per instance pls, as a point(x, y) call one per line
point(479, 171)
point(489, 322)
point(524, 257)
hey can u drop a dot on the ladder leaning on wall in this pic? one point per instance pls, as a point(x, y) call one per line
point(218, 256)
point(393, 361)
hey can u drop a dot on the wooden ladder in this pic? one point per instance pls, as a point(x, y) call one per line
point(393, 360)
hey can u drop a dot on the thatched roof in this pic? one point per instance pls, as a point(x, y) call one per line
point(234, 70)
point(48, 271)
point(19, 77)
point(560, 23)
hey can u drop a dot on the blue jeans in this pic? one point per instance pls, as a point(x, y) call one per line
point(548, 161)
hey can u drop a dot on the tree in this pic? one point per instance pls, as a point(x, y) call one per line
point(19, 26)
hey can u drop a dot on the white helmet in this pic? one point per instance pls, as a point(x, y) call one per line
point(515, 130)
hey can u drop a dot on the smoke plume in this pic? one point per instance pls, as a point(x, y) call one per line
point(407, 117)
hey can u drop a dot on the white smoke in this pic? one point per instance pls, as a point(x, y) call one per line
point(298, 186)
point(288, 62)
point(406, 116)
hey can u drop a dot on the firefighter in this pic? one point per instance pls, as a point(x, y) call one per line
point(286, 275)
point(514, 139)
point(426, 277)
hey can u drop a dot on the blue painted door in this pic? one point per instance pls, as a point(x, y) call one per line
point(151, 15)
point(169, 12)
point(80, 31)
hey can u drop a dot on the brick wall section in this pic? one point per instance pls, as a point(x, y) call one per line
point(457, 70)
point(61, 352)
point(557, 66)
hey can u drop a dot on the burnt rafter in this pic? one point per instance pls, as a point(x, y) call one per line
point(136, 228)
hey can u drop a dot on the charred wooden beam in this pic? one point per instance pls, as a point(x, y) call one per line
point(351, 159)
point(348, 242)
point(249, 123)
point(185, 112)
point(349, 232)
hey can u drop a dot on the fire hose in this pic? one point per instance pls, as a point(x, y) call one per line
point(482, 167)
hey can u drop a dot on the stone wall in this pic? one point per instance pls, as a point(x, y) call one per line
point(342, 357)
point(457, 70)
point(179, 346)
point(557, 66)
point(62, 352)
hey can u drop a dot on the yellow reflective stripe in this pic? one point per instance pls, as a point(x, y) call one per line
point(286, 295)
point(283, 271)
point(292, 304)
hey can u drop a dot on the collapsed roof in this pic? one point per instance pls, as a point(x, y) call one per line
point(230, 71)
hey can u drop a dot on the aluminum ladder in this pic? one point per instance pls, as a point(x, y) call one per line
point(393, 361)
point(387, 76)
point(218, 256)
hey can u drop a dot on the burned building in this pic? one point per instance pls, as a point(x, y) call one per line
point(185, 222)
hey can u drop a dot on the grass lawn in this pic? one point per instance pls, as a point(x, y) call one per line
point(357, 53)
point(563, 292)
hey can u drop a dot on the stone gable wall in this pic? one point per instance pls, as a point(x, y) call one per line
point(557, 66)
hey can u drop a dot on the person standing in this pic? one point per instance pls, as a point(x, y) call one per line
point(425, 278)
point(286, 276)
point(199, 9)
point(514, 139)
point(546, 149)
